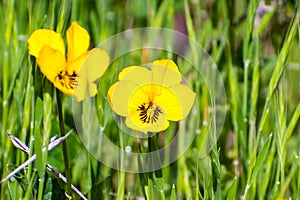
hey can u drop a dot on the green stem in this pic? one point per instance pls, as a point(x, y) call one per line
point(153, 147)
point(150, 174)
point(158, 172)
point(64, 143)
point(142, 176)
point(40, 189)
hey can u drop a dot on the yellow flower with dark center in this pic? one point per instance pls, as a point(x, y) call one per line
point(150, 98)
point(80, 70)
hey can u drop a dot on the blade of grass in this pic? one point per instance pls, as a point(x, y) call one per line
point(234, 99)
point(257, 166)
point(232, 190)
point(37, 146)
point(158, 19)
point(64, 144)
point(279, 68)
point(293, 122)
point(266, 175)
point(65, 8)
point(173, 193)
point(247, 47)
point(254, 93)
point(121, 173)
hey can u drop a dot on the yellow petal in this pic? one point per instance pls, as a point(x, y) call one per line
point(135, 123)
point(93, 90)
point(110, 92)
point(146, 128)
point(51, 62)
point(141, 111)
point(177, 101)
point(165, 72)
point(96, 64)
point(78, 41)
point(126, 70)
point(140, 95)
point(186, 97)
point(43, 37)
point(137, 74)
point(119, 95)
point(77, 67)
point(80, 91)
point(167, 99)
point(63, 89)
point(90, 67)
point(166, 62)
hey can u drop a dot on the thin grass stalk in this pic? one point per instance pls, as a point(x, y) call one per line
point(64, 144)
point(281, 127)
point(64, 11)
point(234, 105)
point(28, 194)
point(183, 182)
point(280, 66)
point(254, 93)
point(293, 122)
point(170, 15)
point(121, 173)
point(40, 164)
point(47, 117)
point(266, 175)
point(247, 54)
point(190, 30)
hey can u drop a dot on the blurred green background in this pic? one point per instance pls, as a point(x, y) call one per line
point(255, 45)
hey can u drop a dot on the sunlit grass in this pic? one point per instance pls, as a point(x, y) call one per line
point(257, 54)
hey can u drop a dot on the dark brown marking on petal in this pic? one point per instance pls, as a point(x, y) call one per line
point(149, 114)
point(69, 81)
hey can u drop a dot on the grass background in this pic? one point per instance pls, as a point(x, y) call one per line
point(257, 53)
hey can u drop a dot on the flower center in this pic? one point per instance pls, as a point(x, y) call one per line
point(67, 80)
point(149, 113)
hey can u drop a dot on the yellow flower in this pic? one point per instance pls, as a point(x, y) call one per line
point(81, 68)
point(150, 98)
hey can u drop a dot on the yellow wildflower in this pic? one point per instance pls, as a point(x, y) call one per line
point(81, 68)
point(150, 98)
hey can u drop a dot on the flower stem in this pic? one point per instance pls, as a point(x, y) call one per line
point(158, 171)
point(155, 160)
point(150, 174)
point(64, 144)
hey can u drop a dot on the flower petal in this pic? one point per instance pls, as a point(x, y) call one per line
point(90, 67)
point(166, 62)
point(78, 41)
point(77, 67)
point(167, 99)
point(80, 91)
point(176, 100)
point(165, 72)
point(53, 66)
point(159, 126)
point(119, 95)
point(137, 74)
point(44, 37)
point(110, 92)
point(144, 114)
point(63, 89)
point(51, 62)
point(96, 64)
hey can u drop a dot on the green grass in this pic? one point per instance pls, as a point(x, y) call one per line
point(257, 153)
